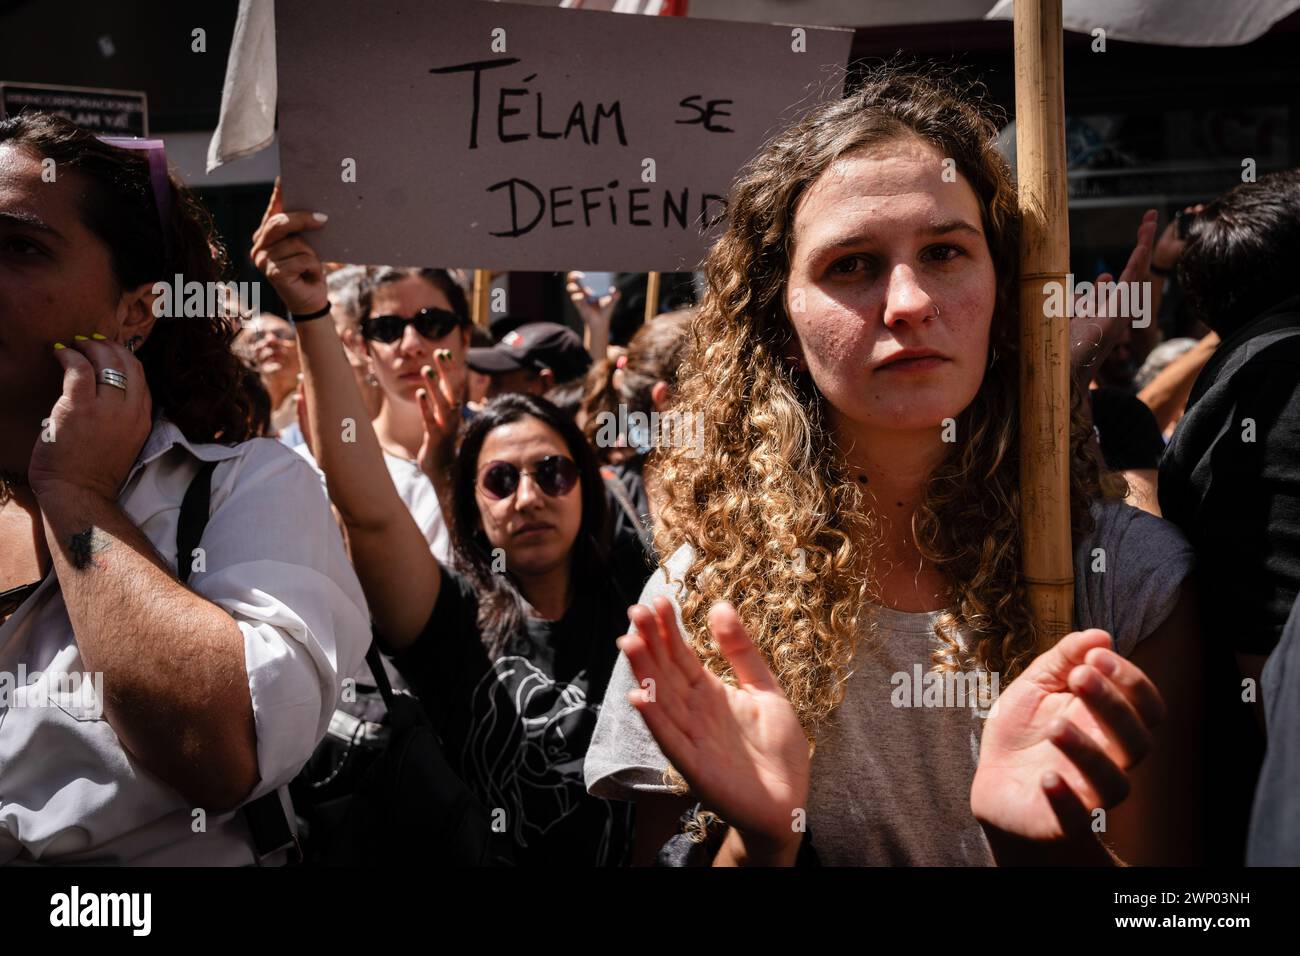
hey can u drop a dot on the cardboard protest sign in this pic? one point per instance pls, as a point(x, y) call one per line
point(462, 133)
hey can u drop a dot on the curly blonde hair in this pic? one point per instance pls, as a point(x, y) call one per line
point(777, 525)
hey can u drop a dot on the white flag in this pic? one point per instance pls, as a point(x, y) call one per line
point(1170, 22)
point(247, 122)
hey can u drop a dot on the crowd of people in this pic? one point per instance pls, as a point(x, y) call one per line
point(697, 592)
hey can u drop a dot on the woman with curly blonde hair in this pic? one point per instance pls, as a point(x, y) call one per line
point(846, 552)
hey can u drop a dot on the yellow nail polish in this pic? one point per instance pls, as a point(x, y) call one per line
point(59, 345)
point(99, 338)
point(80, 338)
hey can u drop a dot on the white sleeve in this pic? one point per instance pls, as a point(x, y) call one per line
point(623, 758)
point(274, 559)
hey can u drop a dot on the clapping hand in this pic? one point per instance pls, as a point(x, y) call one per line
point(739, 747)
point(1061, 741)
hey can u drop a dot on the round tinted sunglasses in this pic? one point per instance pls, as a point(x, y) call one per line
point(430, 323)
point(555, 475)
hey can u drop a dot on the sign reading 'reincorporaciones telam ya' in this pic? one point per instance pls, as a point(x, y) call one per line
point(113, 112)
point(496, 135)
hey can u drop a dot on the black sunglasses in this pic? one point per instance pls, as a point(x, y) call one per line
point(555, 475)
point(430, 323)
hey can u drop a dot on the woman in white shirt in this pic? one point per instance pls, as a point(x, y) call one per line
point(406, 315)
point(213, 694)
point(398, 350)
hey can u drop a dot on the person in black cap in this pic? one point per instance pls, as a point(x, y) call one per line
point(532, 359)
point(499, 326)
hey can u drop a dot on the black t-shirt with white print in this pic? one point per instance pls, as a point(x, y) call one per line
point(517, 728)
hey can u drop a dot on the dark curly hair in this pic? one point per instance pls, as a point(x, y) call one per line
point(194, 378)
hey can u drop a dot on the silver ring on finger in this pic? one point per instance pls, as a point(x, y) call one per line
point(113, 377)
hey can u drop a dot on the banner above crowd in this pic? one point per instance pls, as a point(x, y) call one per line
point(514, 137)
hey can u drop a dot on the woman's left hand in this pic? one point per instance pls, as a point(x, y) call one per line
point(441, 417)
point(739, 747)
point(1061, 740)
point(95, 431)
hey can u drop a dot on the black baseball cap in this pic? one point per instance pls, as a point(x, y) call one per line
point(534, 345)
point(502, 325)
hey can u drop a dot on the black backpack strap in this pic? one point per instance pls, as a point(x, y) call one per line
point(193, 519)
point(376, 664)
point(265, 816)
point(616, 488)
point(269, 826)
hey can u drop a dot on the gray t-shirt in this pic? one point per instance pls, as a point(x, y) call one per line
point(891, 773)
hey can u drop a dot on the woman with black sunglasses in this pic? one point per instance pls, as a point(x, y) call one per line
point(512, 649)
point(406, 316)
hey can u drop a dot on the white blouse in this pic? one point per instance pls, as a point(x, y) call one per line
point(274, 560)
point(417, 493)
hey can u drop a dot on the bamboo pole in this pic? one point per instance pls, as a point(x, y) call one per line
point(1044, 342)
point(482, 289)
point(651, 296)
